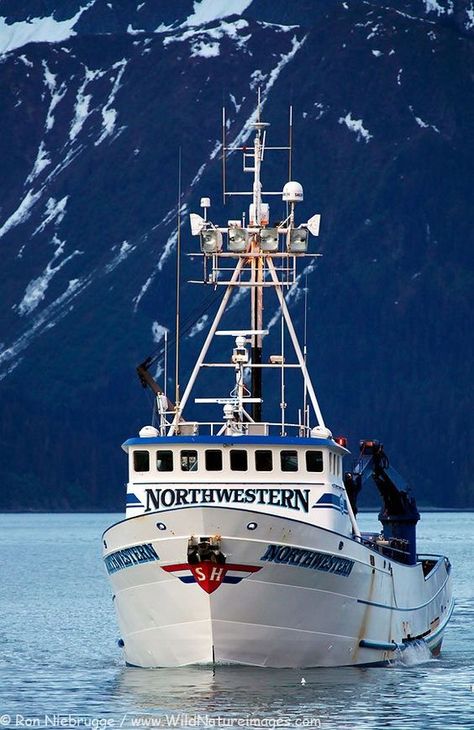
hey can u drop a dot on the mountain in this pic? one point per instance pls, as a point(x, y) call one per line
point(99, 102)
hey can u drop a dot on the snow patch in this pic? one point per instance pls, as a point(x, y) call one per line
point(109, 115)
point(217, 148)
point(198, 175)
point(356, 126)
point(205, 42)
point(470, 15)
point(167, 250)
point(36, 289)
point(246, 130)
point(125, 249)
point(37, 30)
point(205, 50)
point(199, 326)
point(257, 78)
point(158, 332)
point(421, 123)
point(209, 10)
point(55, 211)
point(234, 102)
point(22, 213)
point(42, 161)
point(46, 319)
point(81, 111)
point(373, 32)
point(377, 53)
point(134, 31)
point(56, 94)
point(276, 26)
point(26, 61)
point(433, 6)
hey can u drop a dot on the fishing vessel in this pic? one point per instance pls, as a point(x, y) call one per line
point(240, 542)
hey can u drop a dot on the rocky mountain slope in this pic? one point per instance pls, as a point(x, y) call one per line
point(97, 99)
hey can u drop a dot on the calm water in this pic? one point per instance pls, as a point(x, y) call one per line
point(60, 665)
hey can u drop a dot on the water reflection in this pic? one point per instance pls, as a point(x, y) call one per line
point(240, 691)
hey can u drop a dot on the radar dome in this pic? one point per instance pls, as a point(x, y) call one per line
point(321, 432)
point(293, 192)
point(148, 432)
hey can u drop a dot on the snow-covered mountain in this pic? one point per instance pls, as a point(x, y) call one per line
point(97, 100)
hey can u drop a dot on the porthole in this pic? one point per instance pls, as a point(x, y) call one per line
point(161, 525)
point(252, 526)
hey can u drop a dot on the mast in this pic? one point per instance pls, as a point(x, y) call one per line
point(265, 256)
point(257, 271)
point(178, 286)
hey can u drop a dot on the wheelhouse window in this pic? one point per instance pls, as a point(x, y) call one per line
point(213, 460)
point(263, 460)
point(238, 460)
point(314, 461)
point(141, 461)
point(189, 460)
point(164, 460)
point(289, 460)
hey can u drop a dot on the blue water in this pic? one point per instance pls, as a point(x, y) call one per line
point(60, 665)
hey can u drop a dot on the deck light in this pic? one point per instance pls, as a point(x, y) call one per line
point(211, 240)
point(269, 239)
point(238, 239)
point(297, 240)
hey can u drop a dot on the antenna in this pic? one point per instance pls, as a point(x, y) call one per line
point(166, 362)
point(178, 277)
point(290, 142)
point(282, 375)
point(223, 152)
point(305, 351)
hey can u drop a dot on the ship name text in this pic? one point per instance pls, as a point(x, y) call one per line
point(308, 559)
point(296, 499)
point(127, 557)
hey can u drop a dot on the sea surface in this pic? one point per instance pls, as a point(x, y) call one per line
point(60, 665)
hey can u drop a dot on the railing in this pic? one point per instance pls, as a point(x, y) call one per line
point(245, 428)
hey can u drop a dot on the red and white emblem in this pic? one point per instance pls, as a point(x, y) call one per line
point(208, 575)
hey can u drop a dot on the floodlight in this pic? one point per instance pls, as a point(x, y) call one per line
point(238, 239)
point(269, 239)
point(297, 240)
point(211, 240)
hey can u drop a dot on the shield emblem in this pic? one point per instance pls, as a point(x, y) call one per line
point(208, 575)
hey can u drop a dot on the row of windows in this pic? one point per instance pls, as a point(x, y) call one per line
point(211, 460)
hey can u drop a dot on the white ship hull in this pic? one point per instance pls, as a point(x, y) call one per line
point(289, 595)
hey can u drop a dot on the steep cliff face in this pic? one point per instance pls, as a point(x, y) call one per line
point(96, 102)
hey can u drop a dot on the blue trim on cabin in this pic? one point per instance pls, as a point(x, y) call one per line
point(332, 501)
point(236, 441)
point(132, 499)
